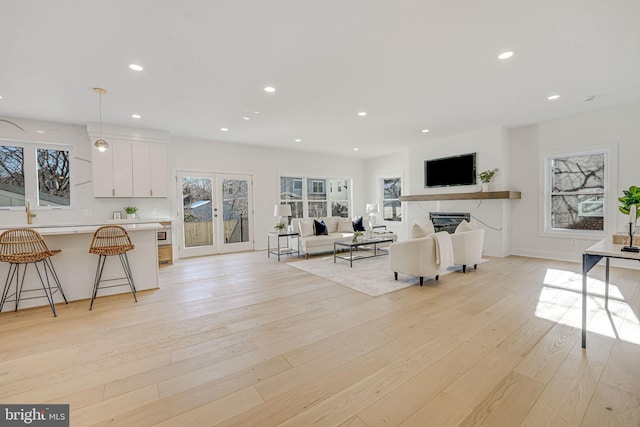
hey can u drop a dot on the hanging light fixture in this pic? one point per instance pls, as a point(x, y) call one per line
point(100, 144)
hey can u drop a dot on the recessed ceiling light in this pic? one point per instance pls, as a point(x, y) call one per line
point(136, 116)
point(298, 140)
point(362, 113)
point(136, 67)
point(355, 149)
point(553, 97)
point(246, 118)
point(506, 55)
point(425, 131)
point(269, 89)
point(256, 112)
point(39, 131)
point(224, 129)
point(1, 96)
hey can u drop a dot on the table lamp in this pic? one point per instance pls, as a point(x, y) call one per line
point(632, 226)
point(282, 212)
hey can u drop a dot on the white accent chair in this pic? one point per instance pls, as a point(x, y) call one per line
point(416, 257)
point(467, 248)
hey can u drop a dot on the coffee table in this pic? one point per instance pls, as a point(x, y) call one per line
point(360, 244)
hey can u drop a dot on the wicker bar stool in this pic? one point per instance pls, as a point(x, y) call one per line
point(107, 241)
point(24, 246)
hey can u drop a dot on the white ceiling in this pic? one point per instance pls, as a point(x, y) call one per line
point(410, 64)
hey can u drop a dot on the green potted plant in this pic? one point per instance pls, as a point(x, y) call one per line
point(280, 227)
point(131, 212)
point(631, 197)
point(486, 177)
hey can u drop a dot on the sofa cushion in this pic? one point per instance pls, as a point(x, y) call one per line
point(465, 226)
point(320, 228)
point(306, 227)
point(345, 225)
point(357, 224)
point(418, 231)
point(332, 224)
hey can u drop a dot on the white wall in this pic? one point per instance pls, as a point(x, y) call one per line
point(492, 151)
point(265, 165)
point(184, 154)
point(619, 126)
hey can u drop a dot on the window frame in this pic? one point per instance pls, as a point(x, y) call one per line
point(546, 180)
point(305, 180)
point(30, 167)
point(381, 199)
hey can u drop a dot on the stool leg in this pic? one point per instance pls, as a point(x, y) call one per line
point(7, 284)
point(127, 271)
point(48, 294)
point(49, 263)
point(19, 290)
point(101, 260)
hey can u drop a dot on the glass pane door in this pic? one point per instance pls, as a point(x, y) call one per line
point(197, 215)
point(236, 213)
point(215, 213)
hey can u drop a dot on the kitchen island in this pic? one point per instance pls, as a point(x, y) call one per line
point(76, 267)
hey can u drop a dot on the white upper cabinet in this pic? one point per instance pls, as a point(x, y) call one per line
point(130, 167)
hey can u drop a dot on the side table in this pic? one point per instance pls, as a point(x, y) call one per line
point(279, 249)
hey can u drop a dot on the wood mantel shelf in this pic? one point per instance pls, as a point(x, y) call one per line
point(479, 195)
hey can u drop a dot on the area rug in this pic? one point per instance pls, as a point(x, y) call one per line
point(369, 276)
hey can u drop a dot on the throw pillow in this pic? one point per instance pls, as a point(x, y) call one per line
point(418, 231)
point(320, 228)
point(345, 225)
point(465, 226)
point(306, 227)
point(357, 224)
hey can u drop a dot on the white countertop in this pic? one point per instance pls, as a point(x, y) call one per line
point(80, 229)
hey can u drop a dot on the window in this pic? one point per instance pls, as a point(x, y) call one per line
point(54, 179)
point(576, 188)
point(316, 201)
point(33, 171)
point(11, 176)
point(391, 205)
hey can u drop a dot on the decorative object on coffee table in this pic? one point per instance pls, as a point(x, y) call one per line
point(356, 234)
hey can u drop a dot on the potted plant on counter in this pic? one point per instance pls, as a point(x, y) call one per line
point(631, 197)
point(131, 212)
point(486, 177)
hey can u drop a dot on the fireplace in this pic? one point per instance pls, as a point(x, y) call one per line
point(448, 221)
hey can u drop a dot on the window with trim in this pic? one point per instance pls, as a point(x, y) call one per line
point(576, 188)
point(308, 197)
point(34, 171)
point(391, 205)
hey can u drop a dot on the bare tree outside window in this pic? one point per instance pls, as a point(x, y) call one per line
point(54, 178)
point(577, 192)
point(391, 205)
point(11, 176)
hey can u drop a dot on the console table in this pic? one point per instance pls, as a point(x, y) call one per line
point(606, 249)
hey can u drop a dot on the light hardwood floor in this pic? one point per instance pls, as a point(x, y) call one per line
point(242, 340)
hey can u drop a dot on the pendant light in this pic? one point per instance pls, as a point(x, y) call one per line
point(100, 144)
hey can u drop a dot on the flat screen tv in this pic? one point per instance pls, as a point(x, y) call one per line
point(450, 171)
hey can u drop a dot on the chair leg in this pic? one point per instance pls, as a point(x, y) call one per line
point(7, 284)
point(49, 263)
point(47, 287)
point(124, 260)
point(475, 266)
point(464, 268)
point(437, 277)
point(96, 281)
point(421, 280)
point(395, 275)
point(19, 288)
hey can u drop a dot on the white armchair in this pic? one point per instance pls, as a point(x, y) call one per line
point(467, 248)
point(416, 257)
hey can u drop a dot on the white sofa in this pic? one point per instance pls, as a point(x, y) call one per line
point(418, 257)
point(337, 228)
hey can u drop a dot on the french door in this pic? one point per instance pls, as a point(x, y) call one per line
point(215, 213)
